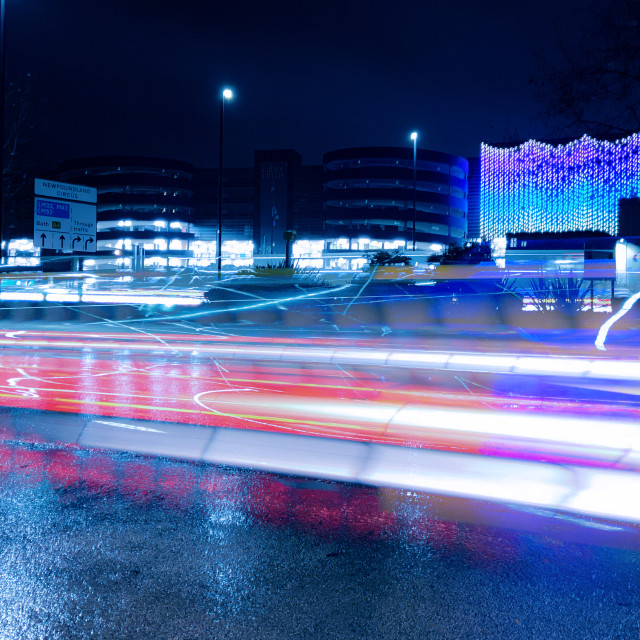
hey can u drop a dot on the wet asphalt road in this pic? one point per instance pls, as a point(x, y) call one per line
point(113, 546)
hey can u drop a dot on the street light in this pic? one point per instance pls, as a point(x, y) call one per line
point(227, 94)
point(414, 137)
point(2, 98)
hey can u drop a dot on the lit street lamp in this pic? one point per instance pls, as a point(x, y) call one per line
point(227, 94)
point(414, 137)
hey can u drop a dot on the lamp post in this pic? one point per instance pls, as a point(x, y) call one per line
point(414, 137)
point(2, 98)
point(227, 94)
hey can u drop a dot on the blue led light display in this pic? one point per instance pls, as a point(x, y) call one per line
point(539, 187)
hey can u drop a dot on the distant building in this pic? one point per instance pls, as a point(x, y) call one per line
point(288, 197)
point(147, 202)
point(237, 204)
point(474, 231)
point(629, 218)
point(308, 212)
point(562, 252)
point(359, 199)
point(275, 173)
point(556, 187)
point(369, 195)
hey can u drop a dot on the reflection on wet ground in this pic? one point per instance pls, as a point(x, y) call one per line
point(104, 545)
point(118, 546)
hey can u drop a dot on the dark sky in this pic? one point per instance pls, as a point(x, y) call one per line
point(143, 78)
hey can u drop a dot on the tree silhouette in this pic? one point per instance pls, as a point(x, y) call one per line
point(20, 155)
point(589, 82)
point(382, 258)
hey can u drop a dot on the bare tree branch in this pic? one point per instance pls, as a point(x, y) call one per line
point(20, 155)
point(591, 84)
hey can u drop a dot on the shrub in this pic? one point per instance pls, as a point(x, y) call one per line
point(386, 258)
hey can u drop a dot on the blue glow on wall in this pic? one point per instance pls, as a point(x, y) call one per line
point(542, 187)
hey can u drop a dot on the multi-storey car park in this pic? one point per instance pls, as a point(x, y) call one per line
point(142, 202)
point(369, 196)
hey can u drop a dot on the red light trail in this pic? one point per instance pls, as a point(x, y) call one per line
point(360, 390)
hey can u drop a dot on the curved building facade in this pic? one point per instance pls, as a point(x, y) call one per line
point(144, 202)
point(369, 192)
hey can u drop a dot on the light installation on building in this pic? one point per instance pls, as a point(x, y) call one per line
point(539, 187)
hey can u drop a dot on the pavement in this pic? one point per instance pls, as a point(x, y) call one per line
point(117, 546)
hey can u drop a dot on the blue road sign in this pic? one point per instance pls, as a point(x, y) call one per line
point(50, 209)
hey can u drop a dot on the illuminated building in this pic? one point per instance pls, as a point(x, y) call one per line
point(541, 187)
point(288, 196)
point(259, 204)
point(473, 216)
point(237, 204)
point(142, 202)
point(359, 199)
point(369, 193)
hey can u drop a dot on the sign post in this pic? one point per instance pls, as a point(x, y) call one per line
point(64, 216)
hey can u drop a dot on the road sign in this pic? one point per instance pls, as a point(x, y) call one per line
point(65, 218)
point(64, 225)
point(65, 191)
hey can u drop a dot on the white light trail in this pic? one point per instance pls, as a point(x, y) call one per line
point(22, 296)
point(604, 329)
point(150, 299)
point(407, 359)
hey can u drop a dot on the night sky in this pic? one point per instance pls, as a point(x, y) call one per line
point(143, 78)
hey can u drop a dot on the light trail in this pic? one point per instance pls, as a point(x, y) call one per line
point(604, 330)
point(400, 417)
point(311, 397)
point(408, 359)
